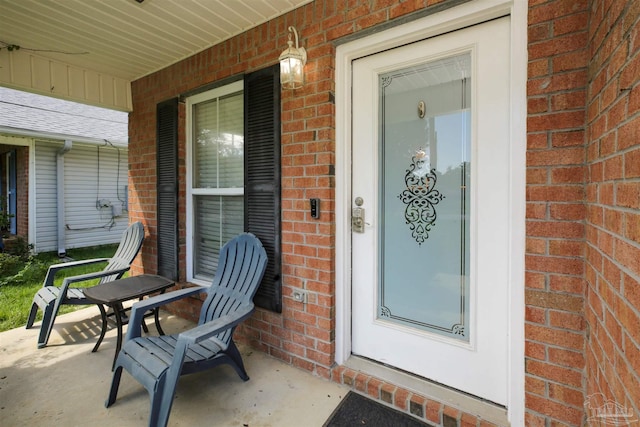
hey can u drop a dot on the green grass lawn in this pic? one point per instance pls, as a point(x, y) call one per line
point(17, 291)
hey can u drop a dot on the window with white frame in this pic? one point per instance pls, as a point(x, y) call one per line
point(215, 171)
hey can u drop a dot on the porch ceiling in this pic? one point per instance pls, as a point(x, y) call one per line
point(118, 40)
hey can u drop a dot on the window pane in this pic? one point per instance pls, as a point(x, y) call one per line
point(217, 220)
point(218, 150)
point(425, 187)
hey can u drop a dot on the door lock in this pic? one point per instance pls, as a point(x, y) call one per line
point(357, 216)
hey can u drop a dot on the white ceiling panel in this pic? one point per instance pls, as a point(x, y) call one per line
point(127, 39)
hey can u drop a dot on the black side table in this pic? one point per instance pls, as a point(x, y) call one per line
point(113, 294)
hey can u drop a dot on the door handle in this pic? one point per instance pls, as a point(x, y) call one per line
point(357, 216)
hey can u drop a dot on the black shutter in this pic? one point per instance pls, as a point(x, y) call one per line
point(167, 190)
point(262, 176)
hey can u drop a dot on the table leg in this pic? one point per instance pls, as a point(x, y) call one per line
point(156, 318)
point(103, 315)
point(144, 324)
point(117, 308)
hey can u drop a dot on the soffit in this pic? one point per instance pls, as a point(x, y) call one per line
point(127, 39)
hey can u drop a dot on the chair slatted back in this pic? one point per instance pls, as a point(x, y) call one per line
point(129, 246)
point(241, 265)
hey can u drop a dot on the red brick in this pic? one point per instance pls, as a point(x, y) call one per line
point(567, 211)
point(561, 283)
point(570, 61)
point(568, 175)
point(536, 211)
point(556, 193)
point(451, 412)
point(434, 411)
point(538, 68)
point(613, 220)
point(534, 420)
point(570, 359)
point(401, 399)
point(630, 73)
point(467, 420)
point(628, 255)
point(535, 280)
point(633, 105)
point(632, 226)
point(553, 336)
point(629, 134)
point(535, 350)
point(556, 229)
point(613, 168)
point(559, 265)
point(558, 411)
point(537, 175)
point(539, 32)
point(576, 79)
point(558, 45)
point(570, 24)
point(537, 105)
point(535, 385)
point(559, 374)
point(568, 101)
point(607, 146)
point(628, 195)
point(605, 193)
point(568, 248)
point(566, 395)
point(632, 164)
point(558, 156)
point(567, 139)
point(551, 10)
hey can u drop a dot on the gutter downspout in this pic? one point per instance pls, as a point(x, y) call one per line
point(60, 195)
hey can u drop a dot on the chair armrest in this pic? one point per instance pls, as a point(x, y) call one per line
point(53, 269)
point(95, 275)
point(214, 327)
point(141, 307)
point(194, 335)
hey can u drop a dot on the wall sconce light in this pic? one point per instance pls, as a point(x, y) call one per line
point(292, 62)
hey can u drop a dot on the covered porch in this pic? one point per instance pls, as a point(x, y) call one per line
point(65, 384)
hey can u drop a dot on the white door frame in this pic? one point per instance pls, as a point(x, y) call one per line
point(454, 18)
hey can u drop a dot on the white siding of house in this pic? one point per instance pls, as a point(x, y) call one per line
point(45, 198)
point(86, 182)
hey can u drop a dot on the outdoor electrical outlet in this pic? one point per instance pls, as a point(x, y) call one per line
point(300, 296)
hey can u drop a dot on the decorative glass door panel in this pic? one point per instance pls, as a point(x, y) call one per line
point(424, 196)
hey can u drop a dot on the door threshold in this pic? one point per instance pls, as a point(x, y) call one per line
point(481, 408)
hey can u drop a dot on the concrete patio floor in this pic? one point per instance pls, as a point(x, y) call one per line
point(64, 384)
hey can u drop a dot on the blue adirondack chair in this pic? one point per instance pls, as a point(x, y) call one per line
point(158, 362)
point(49, 298)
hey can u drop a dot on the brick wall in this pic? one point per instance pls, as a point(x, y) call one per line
point(562, 229)
point(303, 334)
point(613, 205)
point(555, 326)
point(22, 188)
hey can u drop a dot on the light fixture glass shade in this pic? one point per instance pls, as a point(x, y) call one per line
point(292, 62)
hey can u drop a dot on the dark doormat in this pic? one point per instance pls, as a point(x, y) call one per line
point(357, 410)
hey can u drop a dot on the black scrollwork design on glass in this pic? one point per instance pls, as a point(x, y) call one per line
point(420, 197)
point(385, 312)
point(457, 329)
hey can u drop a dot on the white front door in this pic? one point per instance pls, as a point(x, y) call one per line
point(430, 184)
